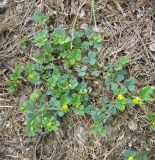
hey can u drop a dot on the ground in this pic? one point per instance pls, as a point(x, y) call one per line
point(128, 28)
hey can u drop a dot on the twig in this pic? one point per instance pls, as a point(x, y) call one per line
point(146, 49)
point(93, 12)
point(75, 19)
point(108, 154)
point(6, 106)
point(8, 67)
point(5, 119)
point(35, 152)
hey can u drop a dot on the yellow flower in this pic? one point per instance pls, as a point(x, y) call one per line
point(30, 76)
point(49, 124)
point(130, 158)
point(120, 97)
point(65, 107)
point(153, 123)
point(136, 100)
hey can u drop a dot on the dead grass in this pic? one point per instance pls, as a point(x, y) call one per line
point(127, 28)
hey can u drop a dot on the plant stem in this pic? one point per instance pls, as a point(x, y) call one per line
point(93, 12)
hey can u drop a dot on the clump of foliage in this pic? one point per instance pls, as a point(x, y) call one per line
point(60, 77)
point(129, 154)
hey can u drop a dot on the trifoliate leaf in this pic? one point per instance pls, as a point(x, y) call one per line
point(146, 92)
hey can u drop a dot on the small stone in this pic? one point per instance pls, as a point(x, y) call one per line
point(3, 3)
point(82, 13)
point(84, 26)
point(152, 47)
point(132, 125)
point(80, 134)
point(130, 144)
point(152, 39)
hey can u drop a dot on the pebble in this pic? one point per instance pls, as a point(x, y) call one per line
point(132, 125)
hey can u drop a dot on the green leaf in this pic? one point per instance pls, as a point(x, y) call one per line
point(85, 45)
point(98, 128)
point(22, 106)
point(123, 90)
point(130, 84)
point(12, 85)
point(15, 76)
point(48, 47)
point(65, 99)
point(81, 71)
point(95, 73)
point(80, 110)
point(35, 96)
point(120, 77)
point(129, 153)
point(76, 34)
point(54, 102)
point(120, 106)
point(19, 68)
point(75, 54)
point(29, 106)
point(73, 83)
point(59, 36)
point(92, 57)
point(76, 100)
point(142, 156)
point(146, 92)
point(123, 61)
point(40, 18)
point(89, 32)
point(151, 120)
point(23, 42)
point(33, 77)
point(40, 38)
point(96, 115)
point(115, 89)
point(112, 110)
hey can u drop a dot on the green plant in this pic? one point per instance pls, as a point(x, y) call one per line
point(61, 75)
point(134, 155)
point(151, 120)
point(40, 18)
point(23, 42)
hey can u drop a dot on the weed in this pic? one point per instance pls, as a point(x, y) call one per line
point(134, 155)
point(60, 77)
point(151, 120)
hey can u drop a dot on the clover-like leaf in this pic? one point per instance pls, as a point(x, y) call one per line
point(98, 128)
point(151, 120)
point(130, 84)
point(23, 42)
point(81, 71)
point(40, 18)
point(129, 153)
point(95, 73)
point(90, 59)
point(33, 77)
point(146, 92)
point(40, 38)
